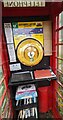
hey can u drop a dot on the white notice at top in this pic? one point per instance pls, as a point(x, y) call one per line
point(8, 32)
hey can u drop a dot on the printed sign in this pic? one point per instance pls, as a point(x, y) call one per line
point(23, 30)
point(28, 3)
point(14, 67)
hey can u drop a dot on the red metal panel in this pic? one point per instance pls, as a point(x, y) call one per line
point(34, 11)
point(52, 9)
point(50, 95)
point(55, 8)
point(44, 96)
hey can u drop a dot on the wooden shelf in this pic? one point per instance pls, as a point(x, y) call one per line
point(26, 106)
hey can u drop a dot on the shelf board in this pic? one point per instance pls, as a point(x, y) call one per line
point(12, 81)
point(31, 81)
point(26, 106)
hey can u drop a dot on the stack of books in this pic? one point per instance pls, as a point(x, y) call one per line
point(26, 94)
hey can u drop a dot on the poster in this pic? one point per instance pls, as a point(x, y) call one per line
point(23, 30)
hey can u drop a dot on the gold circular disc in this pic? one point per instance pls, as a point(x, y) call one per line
point(30, 52)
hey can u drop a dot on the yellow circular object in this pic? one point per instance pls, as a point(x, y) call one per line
point(30, 52)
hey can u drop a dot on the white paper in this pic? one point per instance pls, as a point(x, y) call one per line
point(8, 32)
point(11, 52)
point(14, 67)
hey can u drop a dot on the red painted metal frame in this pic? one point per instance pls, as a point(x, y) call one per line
point(5, 65)
point(59, 28)
point(5, 60)
point(52, 58)
point(52, 10)
point(53, 64)
point(55, 60)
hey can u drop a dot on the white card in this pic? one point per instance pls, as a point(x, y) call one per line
point(14, 67)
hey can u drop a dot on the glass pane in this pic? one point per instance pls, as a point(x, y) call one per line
point(59, 104)
point(61, 35)
point(60, 51)
point(56, 37)
point(1, 72)
point(60, 65)
point(60, 89)
point(2, 88)
point(56, 22)
point(0, 52)
point(61, 19)
point(4, 104)
point(56, 51)
point(61, 78)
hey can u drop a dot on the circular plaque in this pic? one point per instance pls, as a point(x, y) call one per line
point(30, 52)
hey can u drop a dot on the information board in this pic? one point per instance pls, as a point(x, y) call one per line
point(16, 32)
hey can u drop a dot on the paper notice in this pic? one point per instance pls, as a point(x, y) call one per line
point(14, 67)
point(8, 32)
point(11, 52)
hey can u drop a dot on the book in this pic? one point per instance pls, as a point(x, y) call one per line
point(42, 74)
